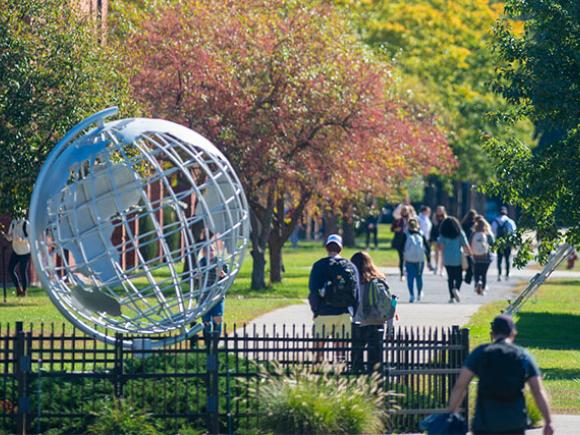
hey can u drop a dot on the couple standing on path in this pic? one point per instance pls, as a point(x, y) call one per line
point(350, 296)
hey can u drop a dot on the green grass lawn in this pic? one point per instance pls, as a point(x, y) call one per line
point(549, 327)
point(242, 304)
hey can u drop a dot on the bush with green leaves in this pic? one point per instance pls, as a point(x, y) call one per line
point(121, 418)
point(320, 400)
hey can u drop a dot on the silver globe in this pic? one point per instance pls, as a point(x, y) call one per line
point(137, 226)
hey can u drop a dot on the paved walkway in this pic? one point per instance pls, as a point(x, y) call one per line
point(433, 310)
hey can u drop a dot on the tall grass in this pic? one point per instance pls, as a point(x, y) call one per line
point(318, 400)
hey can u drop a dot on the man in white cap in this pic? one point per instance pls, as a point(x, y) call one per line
point(334, 286)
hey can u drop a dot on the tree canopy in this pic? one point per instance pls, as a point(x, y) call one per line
point(53, 74)
point(443, 58)
point(299, 106)
point(539, 74)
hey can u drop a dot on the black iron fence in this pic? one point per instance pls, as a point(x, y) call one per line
point(57, 378)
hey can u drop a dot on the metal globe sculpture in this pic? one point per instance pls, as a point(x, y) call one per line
point(137, 226)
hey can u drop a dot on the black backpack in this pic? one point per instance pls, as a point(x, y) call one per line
point(503, 228)
point(339, 290)
point(503, 375)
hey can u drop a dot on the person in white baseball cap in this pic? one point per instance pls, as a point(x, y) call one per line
point(334, 287)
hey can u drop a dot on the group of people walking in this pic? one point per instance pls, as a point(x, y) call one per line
point(463, 249)
point(350, 298)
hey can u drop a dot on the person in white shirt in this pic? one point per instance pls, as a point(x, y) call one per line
point(426, 225)
point(18, 235)
point(503, 226)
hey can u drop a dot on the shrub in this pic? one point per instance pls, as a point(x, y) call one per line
point(121, 418)
point(318, 400)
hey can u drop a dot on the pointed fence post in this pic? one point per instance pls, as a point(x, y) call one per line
point(212, 404)
point(21, 373)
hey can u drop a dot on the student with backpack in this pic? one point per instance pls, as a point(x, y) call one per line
point(453, 246)
point(503, 370)
point(375, 307)
point(481, 242)
point(415, 252)
point(503, 226)
point(333, 286)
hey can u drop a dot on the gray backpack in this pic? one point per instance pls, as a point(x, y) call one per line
point(376, 303)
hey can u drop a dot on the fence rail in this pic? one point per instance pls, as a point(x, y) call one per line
point(56, 378)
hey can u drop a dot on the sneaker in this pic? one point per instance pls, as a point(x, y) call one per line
point(451, 300)
point(455, 294)
point(419, 296)
point(507, 277)
point(479, 288)
point(412, 299)
point(499, 277)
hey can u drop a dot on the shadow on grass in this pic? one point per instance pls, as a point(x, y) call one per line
point(561, 374)
point(549, 330)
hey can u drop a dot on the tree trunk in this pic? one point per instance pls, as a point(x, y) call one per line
point(261, 219)
point(258, 269)
point(348, 234)
point(282, 229)
point(276, 262)
point(330, 225)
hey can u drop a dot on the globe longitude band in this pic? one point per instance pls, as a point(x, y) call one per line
point(95, 183)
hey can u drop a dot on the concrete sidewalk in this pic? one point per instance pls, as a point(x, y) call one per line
point(434, 310)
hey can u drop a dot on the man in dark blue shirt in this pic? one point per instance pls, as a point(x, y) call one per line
point(503, 370)
point(330, 319)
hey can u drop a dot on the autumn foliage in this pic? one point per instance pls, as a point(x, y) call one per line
point(297, 104)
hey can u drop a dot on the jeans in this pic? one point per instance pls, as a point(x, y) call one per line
point(21, 283)
point(371, 338)
point(454, 275)
point(414, 273)
point(480, 273)
point(504, 254)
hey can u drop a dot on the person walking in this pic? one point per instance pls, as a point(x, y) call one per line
point(503, 370)
point(399, 227)
point(440, 215)
point(426, 225)
point(333, 289)
point(372, 228)
point(453, 245)
point(481, 242)
point(415, 252)
point(20, 257)
point(503, 226)
point(467, 226)
point(375, 307)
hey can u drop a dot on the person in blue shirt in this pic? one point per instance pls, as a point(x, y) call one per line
point(453, 244)
point(503, 370)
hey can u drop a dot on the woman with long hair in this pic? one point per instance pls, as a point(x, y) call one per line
point(481, 241)
point(452, 244)
point(367, 330)
point(467, 225)
point(440, 215)
point(399, 227)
